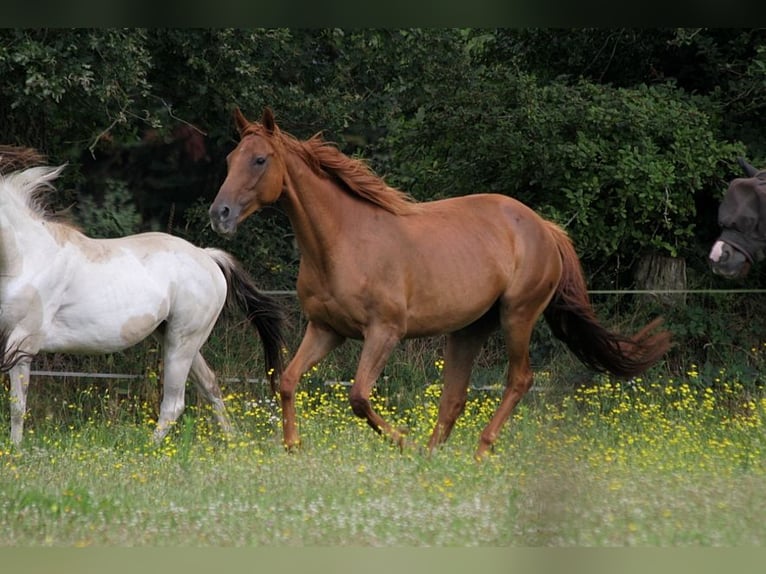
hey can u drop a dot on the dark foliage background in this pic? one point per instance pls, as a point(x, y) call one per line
point(627, 137)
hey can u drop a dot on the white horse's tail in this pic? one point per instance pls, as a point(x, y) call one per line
point(263, 311)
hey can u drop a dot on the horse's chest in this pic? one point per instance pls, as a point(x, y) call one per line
point(349, 302)
point(345, 317)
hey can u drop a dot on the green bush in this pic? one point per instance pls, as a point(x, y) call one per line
point(621, 169)
point(114, 216)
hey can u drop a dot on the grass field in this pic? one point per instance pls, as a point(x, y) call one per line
point(650, 462)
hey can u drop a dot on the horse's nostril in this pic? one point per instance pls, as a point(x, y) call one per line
point(220, 213)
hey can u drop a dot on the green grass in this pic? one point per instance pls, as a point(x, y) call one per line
point(660, 463)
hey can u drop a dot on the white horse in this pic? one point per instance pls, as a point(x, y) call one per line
point(61, 291)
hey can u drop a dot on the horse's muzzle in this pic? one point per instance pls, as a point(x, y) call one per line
point(728, 261)
point(223, 220)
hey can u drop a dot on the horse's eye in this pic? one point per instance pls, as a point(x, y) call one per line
point(259, 160)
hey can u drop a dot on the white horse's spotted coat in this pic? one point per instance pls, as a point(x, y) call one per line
point(65, 292)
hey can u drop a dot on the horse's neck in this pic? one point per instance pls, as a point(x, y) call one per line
point(317, 210)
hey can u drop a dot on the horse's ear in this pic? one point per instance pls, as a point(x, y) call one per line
point(749, 169)
point(240, 120)
point(268, 120)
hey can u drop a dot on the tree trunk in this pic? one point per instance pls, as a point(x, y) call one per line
point(662, 273)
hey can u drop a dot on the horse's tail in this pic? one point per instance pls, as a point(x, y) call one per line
point(572, 319)
point(10, 355)
point(263, 311)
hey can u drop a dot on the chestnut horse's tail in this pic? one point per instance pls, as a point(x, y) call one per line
point(572, 319)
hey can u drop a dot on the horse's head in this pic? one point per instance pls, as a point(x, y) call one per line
point(742, 217)
point(256, 173)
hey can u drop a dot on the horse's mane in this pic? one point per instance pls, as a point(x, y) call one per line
point(15, 158)
point(22, 171)
point(354, 175)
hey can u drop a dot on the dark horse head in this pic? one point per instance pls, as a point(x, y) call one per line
point(742, 217)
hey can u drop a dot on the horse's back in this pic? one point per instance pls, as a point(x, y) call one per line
point(171, 257)
point(191, 274)
point(491, 226)
point(438, 269)
point(501, 233)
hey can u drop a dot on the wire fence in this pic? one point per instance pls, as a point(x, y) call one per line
point(293, 293)
point(673, 291)
point(617, 291)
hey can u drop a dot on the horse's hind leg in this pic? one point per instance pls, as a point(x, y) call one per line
point(518, 331)
point(462, 348)
point(205, 381)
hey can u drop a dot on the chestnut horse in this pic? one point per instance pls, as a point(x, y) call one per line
point(377, 266)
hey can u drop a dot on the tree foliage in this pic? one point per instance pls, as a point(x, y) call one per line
point(626, 137)
point(63, 90)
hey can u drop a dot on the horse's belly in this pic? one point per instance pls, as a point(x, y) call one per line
point(83, 345)
point(98, 333)
point(442, 302)
point(445, 318)
point(335, 316)
point(423, 317)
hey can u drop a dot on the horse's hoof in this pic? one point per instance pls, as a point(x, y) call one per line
point(483, 452)
point(292, 447)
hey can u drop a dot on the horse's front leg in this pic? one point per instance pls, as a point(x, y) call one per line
point(317, 342)
point(177, 358)
point(379, 342)
point(19, 376)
